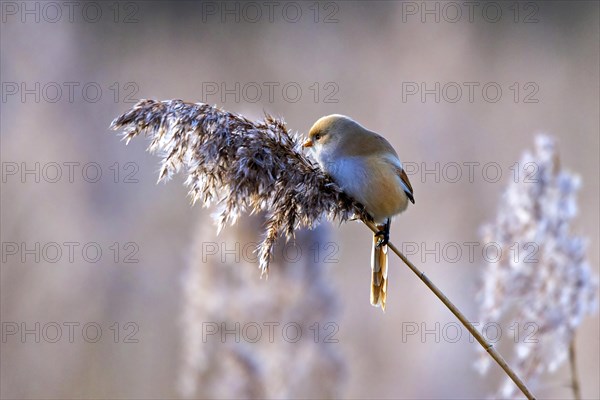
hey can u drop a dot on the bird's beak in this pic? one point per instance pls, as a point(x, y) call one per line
point(308, 143)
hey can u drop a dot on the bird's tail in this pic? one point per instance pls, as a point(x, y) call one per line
point(379, 266)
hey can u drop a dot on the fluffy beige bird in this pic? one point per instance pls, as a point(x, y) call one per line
point(368, 169)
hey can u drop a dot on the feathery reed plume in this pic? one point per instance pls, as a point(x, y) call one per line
point(258, 166)
point(247, 360)
point(550, 279)
point(243, 165)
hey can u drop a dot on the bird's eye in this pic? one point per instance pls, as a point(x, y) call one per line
point(317, 136)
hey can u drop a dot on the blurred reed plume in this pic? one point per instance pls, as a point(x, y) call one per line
point(242, 165)
point(221, 289)
point(543, 276)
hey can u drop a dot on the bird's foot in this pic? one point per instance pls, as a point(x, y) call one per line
point(384, 238)
point(384, 233)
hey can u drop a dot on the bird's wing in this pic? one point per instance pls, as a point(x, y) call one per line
point(361, 142)
point(406, 184)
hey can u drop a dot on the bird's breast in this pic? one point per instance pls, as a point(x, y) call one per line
point(372, 181)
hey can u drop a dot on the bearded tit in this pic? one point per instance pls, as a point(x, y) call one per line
point(367, 168)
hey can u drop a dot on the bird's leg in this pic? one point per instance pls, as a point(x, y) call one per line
point(384, 232)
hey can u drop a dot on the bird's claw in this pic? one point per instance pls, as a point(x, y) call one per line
point(384, 233)
point(384, 239)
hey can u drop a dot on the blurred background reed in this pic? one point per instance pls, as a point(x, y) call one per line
point(356, 58)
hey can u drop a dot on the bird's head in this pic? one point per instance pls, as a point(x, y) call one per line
point(328, 133)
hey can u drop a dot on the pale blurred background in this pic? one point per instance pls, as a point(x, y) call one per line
point(361, 59)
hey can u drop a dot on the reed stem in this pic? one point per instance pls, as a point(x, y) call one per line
point(574, 375)
point(484, 343)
